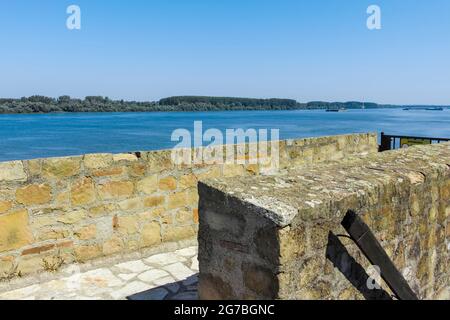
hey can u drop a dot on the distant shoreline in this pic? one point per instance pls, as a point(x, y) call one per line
point(99, 104)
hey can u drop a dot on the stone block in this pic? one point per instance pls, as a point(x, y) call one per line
point(108, 172)
point(148, 185)
point(187, 181)
point(97, 161)
point(14, 231)
point(260, 280)
point(167, 184)
point(177, 200)
point(176, 233)
point(113, 245)
point(61, 167)
point(82, 192)
point(128, 225)
point(87, 252)
point(5, 206)
point(125, 157)
point(154, 201)
point(72, 217)
point(150, 234)
point(212, 287)
point(87, 232)
point(115, 189)
point(12, 171)
point(34, 194)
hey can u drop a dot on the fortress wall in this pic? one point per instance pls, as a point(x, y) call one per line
point(282, 238)
point(61, 210)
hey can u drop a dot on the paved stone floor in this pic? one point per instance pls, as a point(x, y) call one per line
point(172, 275)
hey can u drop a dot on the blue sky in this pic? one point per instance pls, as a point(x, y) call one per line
point(306, 50)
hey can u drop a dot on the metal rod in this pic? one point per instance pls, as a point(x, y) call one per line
point(371, 248)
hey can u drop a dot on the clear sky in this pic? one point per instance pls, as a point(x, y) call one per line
point(306, 50)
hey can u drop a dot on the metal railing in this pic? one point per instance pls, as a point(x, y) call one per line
point(391, 142)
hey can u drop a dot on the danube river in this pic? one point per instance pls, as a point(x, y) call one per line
point(29, 136)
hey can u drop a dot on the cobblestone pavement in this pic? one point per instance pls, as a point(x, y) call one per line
point(172, 275)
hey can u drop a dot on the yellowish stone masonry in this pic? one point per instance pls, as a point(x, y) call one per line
point(62, 210)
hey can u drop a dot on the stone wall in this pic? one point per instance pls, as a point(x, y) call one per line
point(280, 237)
point(63, 210)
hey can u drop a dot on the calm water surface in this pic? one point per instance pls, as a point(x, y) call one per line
point(48, 135)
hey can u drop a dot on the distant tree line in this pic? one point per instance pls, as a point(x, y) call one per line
point(42, 104)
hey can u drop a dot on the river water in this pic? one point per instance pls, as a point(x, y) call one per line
point(28, 136)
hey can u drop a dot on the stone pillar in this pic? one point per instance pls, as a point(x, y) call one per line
point(280, 237)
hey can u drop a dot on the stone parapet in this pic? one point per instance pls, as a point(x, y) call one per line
point(280, 236)
point(61, 210)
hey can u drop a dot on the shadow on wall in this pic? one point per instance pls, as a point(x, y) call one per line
point(351, 269)
point(181, 290)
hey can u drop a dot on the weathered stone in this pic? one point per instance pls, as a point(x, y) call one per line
point(115, 189)
point(61, 167)
point(167, 184)
point(177, 200)
point(174, 233)
point(87, 252)
point(152, 275)
point(97, 161)
point(6, 266)
point(102, 210)
point(34, 194)
point(127, 224)
point(150, 234)
point(83, 192)
point(131, 204)
point(195, 215)
point(192, 197)
point(62, 198)
point(125, 157)
point(43, 221)
point(14, 231)
point(179, 271)
point(163, 259)
point(292, 243)
point(87, 232)
point(187, 252)
point(154, 201)
point(152, 214)
point(148, 185)
point(183, 216)
point(160, 161)
point(115, 171)
point(233, 224)
point(34, 167)
point(188, 181)
point(30, 264)
point(12, 171)
point(232, 170)
point(211, 287)
point(5, 206)
point(309, 271)
point(52, 233)
point(138, 169)
point(211, 173)
point(260, 280)
point(38, 249)
point(72, 217)
point(252, 169)
point(133, 266)
point(113, 245)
